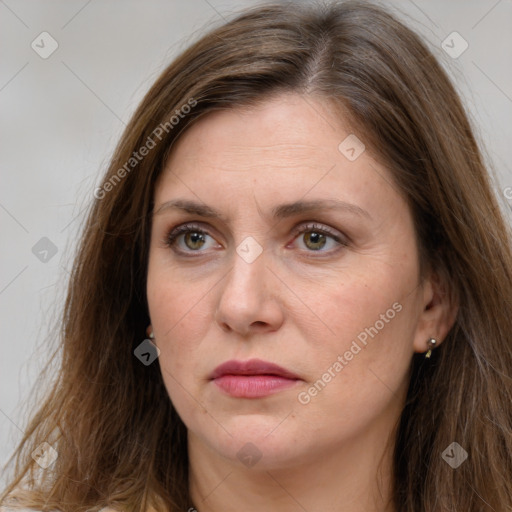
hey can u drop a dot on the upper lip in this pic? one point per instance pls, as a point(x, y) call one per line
point(251, 367)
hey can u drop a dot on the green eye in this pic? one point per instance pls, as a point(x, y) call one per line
point(193, 237)
point(318, 240)
point(315, 238)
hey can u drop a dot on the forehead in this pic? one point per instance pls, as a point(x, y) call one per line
point(289, 129)
point(287, 147)
point(288, 126)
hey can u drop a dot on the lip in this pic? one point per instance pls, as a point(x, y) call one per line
point(252, 379)
point(252, 367)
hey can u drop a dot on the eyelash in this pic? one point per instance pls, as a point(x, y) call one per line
point(171, 238)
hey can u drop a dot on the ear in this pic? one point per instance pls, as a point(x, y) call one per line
point(439, 312)
point(149, 330)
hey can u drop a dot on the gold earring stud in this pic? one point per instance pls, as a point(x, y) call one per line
point(431, 343)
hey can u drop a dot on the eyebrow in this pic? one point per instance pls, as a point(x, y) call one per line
point(281, 211)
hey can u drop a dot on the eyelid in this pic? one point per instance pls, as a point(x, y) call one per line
point(341, 239)
point(322, 228)
point(172, 235)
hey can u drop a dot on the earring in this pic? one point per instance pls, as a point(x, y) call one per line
point(151, 339)
point(431, 343)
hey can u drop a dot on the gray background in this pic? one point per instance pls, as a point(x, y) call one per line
point(62, 116)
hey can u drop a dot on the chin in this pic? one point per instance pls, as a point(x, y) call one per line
point(252, 440)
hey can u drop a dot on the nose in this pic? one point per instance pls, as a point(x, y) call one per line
point(248, 302)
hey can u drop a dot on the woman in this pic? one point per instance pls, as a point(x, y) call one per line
point(299, 222)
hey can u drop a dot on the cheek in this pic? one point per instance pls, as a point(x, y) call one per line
point(364, 372)
point(173, 307)
point(354, 301)
point(181, 312)
point(178, 304)
point(368, 320)
point(174, 312)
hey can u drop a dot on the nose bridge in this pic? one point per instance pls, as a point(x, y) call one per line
point(248, 274)
point(246, 298)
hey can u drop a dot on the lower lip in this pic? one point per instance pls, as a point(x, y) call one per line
point(253, 386)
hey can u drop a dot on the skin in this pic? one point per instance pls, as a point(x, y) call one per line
point(293, 305)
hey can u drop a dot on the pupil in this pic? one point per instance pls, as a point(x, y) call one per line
point(195, 237)
point(314, 239)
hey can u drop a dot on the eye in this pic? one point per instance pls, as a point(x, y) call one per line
point(315, 238)
point(187, 238)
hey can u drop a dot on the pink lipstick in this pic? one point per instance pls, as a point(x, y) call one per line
point(252, 379)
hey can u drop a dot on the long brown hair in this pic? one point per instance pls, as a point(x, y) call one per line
point(118, 437)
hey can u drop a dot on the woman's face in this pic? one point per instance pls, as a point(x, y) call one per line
point(300, 253)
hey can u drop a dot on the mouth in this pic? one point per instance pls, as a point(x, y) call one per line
point(253, 378)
